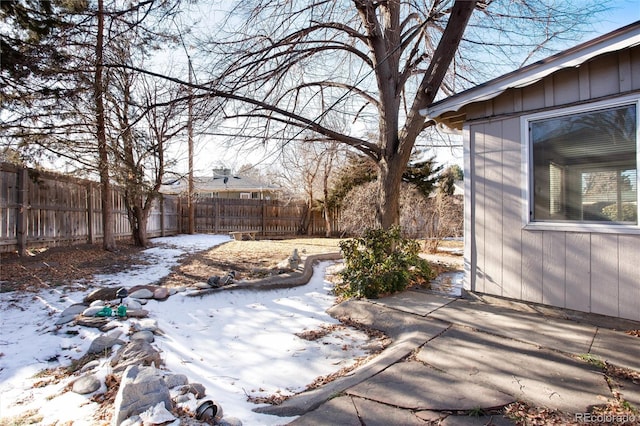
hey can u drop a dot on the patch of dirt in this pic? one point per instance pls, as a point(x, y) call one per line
point(61, 266)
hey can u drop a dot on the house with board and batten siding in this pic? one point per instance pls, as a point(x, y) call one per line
point(551, 178)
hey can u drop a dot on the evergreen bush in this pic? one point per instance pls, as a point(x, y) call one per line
point(381, 262)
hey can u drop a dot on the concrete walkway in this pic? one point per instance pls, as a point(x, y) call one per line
point(451, 357)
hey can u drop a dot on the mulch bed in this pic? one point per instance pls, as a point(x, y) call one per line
point(60, 266)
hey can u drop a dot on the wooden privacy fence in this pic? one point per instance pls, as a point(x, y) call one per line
point(41, 209)
point(264, 217)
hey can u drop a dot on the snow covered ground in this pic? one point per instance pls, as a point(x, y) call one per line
point(237, 343)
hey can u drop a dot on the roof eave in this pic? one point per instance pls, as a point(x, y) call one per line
point(622, 38)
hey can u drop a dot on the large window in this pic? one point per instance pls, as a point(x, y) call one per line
point(584, 167)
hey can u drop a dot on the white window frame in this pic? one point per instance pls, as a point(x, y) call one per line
point(527, 170)
point(245, 195)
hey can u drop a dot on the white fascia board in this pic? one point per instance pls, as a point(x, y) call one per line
point(535, 72)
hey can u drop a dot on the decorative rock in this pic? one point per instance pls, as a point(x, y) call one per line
point(195, 388)
point(145, 335)
point(174, 380)
point(161, 293)
point(158, 414)
point(132, 304)
point(96, 322)
point(182, 399)
point(229, 421)
point(97, 303)
point(86, 384)
point(137, 313)
point(75, 309)
point(65, 319)
point(105, 293)
point(146, 324)
point(149, 287)
point(105, 341)
point(140, 389)
point(92, 311)
point(142, 301)
point(143, 293)
point(137, 353)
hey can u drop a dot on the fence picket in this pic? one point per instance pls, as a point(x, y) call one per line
point(46, 209)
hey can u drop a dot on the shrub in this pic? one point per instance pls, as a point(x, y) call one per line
point(381, 262)
point(628, 212)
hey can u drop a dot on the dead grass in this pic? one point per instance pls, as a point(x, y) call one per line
point(249, 259)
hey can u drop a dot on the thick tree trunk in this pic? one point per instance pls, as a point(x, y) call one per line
point(388, 191)
point(140, 237)
point(108, 240)
point(396, 143)
point(138, 214)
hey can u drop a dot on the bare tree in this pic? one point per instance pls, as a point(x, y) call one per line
point(294, 65)
point(308, 169)
point(72, 116)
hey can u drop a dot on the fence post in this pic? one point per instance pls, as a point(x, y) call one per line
point(91, 233)
point(21, 218)
point(162, 233)
point(216, 223)
point(264, 217)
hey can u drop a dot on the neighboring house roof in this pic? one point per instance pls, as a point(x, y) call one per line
point(219, 182)
point(622, 38)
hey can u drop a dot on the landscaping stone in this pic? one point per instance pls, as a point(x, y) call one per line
point(138, 353)
point(156, 415)
point(142, 293)
point(196, 389)
point(230, 421)
point(105, 341)
point(92, 310)
point(145, 335)
point(75, 309)
point(132, 303)
point(146, 324)
point(95, 322)
point(137, 313)
point(161, 293)
point(64, 319)
point(86, 384)
point(103, 293)
point(140, 389)
point(175, 380)
point(182, 399)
